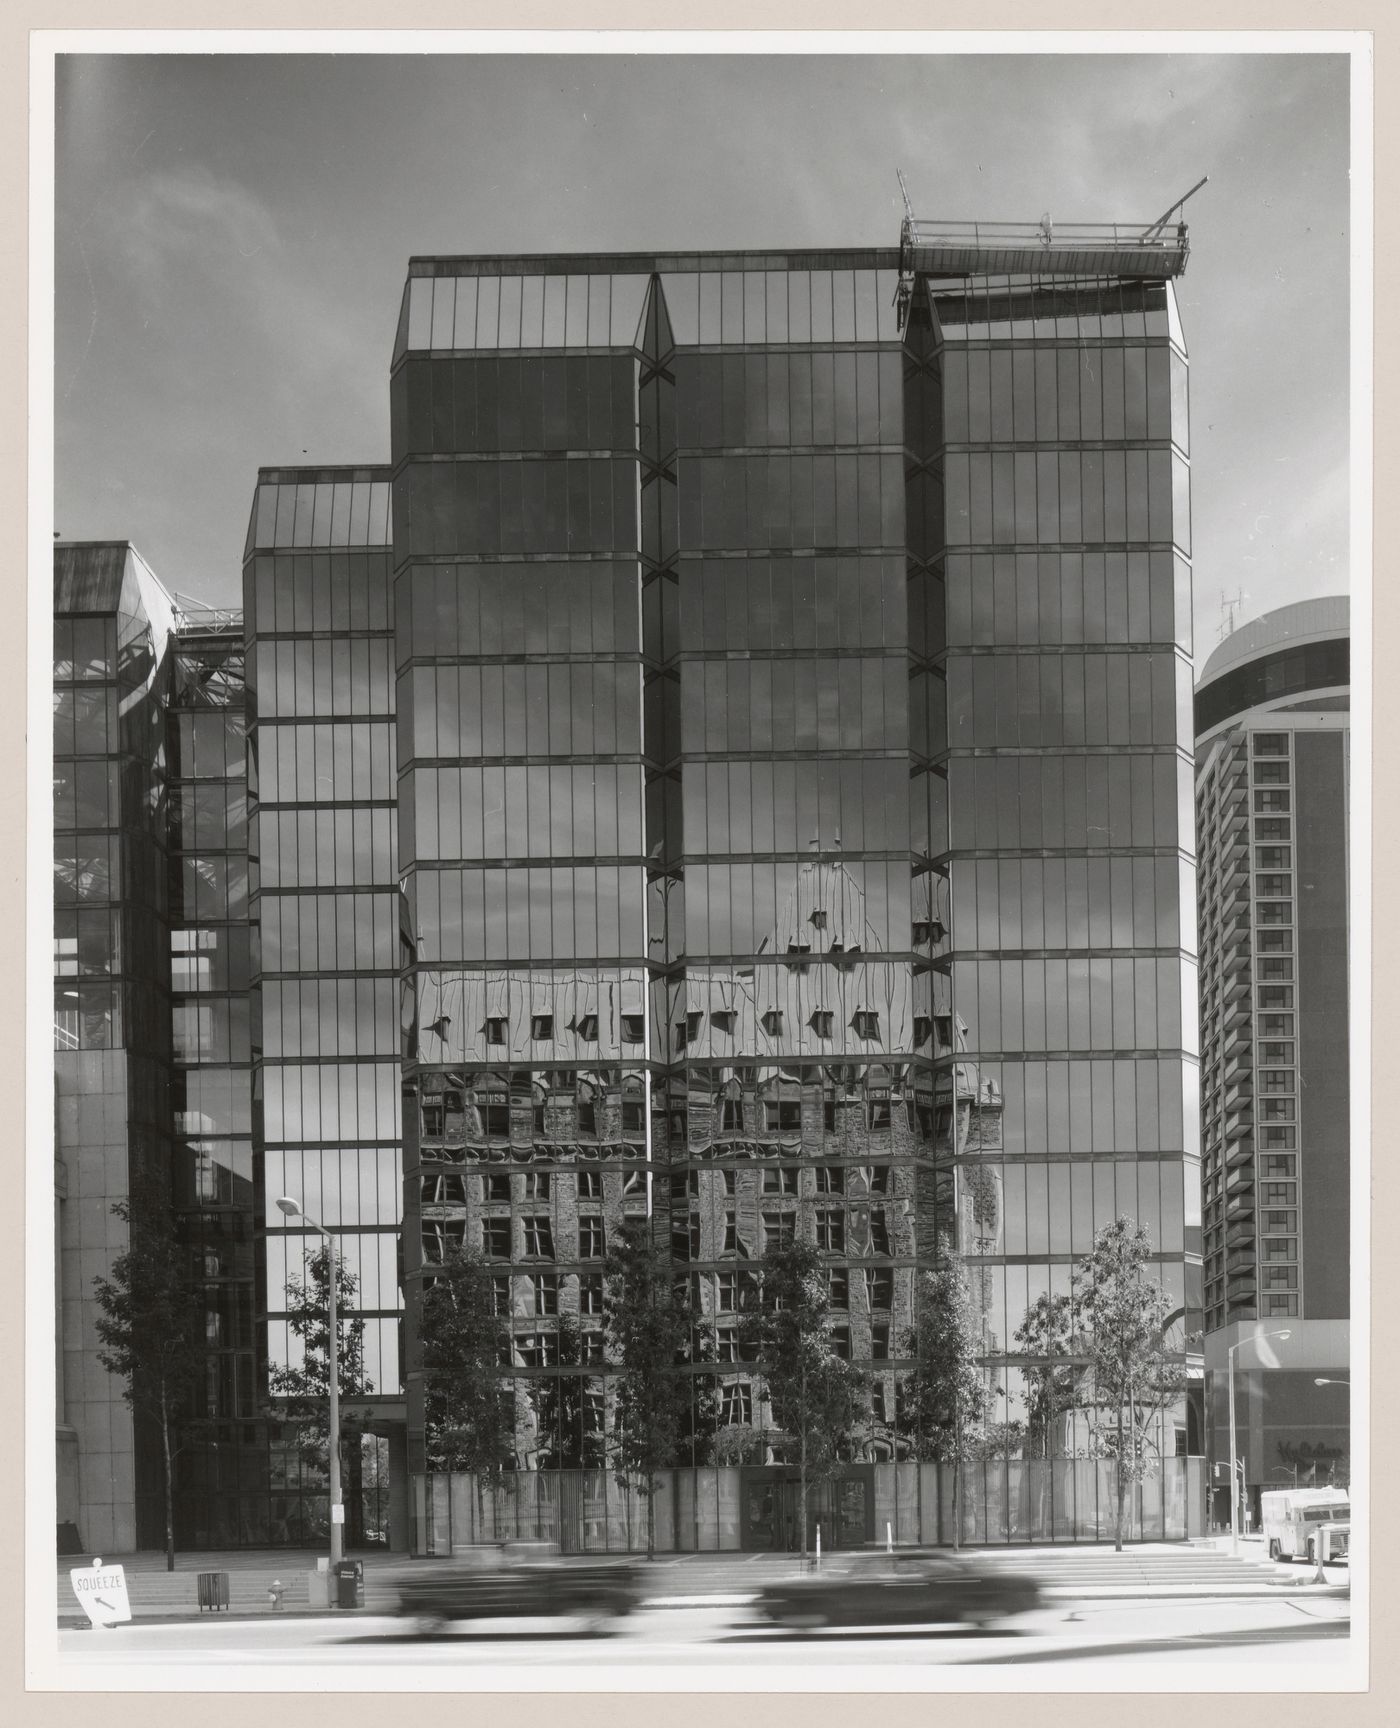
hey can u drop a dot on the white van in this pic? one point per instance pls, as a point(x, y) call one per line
point(1300, 1521)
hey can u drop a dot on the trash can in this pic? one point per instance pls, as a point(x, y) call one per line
point(213, 1590)
point(349, 1583)
point(318, 1588)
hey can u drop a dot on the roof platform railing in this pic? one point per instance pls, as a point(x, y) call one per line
point(1084, 249)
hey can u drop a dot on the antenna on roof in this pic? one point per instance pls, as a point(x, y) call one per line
point(904, 194)
point(1228, 609)
point(1171, 210)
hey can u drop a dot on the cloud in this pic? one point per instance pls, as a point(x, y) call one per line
point(193, 216)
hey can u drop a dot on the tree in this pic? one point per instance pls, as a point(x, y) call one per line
point(469, 1407)
point(559, 1405)
point(648, 1329)
point(1052, 1377)
point(152, 1326)
point(304, 1390)
point(947, 1386)
point(1120, 1314)
point(818, 1399)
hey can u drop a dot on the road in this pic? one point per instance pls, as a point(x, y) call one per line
point(1313, 1631)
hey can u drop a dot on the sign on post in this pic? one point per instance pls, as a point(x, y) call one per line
point(102, 1592)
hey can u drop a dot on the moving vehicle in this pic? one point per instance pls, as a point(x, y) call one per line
point(902, 1586)
point(1306, 1522)
point(522, 1580)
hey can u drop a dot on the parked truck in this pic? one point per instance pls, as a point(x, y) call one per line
point(1306, 1523)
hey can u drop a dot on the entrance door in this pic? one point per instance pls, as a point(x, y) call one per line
point(772, 1511)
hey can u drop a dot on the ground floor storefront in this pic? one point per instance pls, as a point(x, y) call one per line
point(757, 1508)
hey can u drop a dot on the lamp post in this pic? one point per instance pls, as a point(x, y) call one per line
point(292, 1209)
point(1237, 1492)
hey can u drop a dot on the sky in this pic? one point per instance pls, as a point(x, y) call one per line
point(233, 233)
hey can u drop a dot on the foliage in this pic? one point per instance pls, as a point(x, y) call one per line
point(947, 1389)
point(1120, 1316)
point(303, 1391)
point(1052, 1380)
point(648, 1330)
point(151, 1326)
point(469, 1408)
point(818, 1399)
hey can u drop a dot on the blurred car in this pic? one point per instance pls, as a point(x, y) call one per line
point(905, 1586)
point(518, 1581)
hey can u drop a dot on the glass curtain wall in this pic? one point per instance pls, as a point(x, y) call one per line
point(515, 444)
point(221, 1470)
point(325, 921)
point(1050, 582)
point(793, 1017)
point(112, 625)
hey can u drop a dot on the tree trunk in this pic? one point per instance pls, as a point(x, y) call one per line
point(169, 1485)
point(957, 1477)
point(651, 1515)
point(802, 1466)
point(1118, 1527)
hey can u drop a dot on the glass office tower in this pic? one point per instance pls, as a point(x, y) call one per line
point(325, 951)
point(1050, 540)
point(794, 659)
point(112, 631)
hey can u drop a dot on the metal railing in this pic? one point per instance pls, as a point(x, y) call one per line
point(1093, 236)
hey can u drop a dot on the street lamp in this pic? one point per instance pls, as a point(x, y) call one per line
point(1236, 1492)
point(292, 1209)
point(1322, 1380)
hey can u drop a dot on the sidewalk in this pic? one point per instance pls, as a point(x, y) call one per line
point(1069, 1572)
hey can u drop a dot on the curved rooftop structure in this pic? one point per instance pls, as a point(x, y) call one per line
point(1290, 626)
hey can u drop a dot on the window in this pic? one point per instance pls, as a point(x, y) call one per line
point(1275, 996)
point(1280, 1248)
point(586, 1026)
point(1276, 1109)
point(879, 1231)
point(797, 949)
point(495, 1029)
point(881, 1286)
point(539, 1237)
point(1280, 1277)
point(495, 1238)
point(587, 1117)
point(731, 1232)
point(829, 1115)
point(880, 1179)
point(498, 1120)
point(590, 1185)
point(1280, 1165)
point(632, 1122)
point(773, 1023)
point(679, 1122)
point(1276, 1025)
point(723, 1021)
point(542, 1026)
point(1277, 802)
point(778, 1181)
point(1283, 1222)
point(1272, 887)
point(497, 1186)
point(1274, 941)
point(841, 1342)
point(682, 1035)
point(736, 1404)
point(1276, 1080)
point(1281, 1054)
point(879, 1409)
point(1280, 1305)
point(1271, 828)
point(820, 1022)
point(500, 1295)
point(818, 919)
point(590, 1293)
point(782, 1115)
point(727, 1344)
point(1280, 1193)
point(545, 1290)
point(591, 1346)
point(1273, 858)
point(590, 1238)
point(865, 1023)
point(880, 1341)
point(726, 1292)
point(1270, 743)
point(838, 1288)
point(1270, 773)
point(831, 1229)
point(731, 1116)
point(779, 1228)
point(536, 1184)
point(829, 1179)
point(1275, 968)
point(633, 1030)
point(923, 1030)
point(432, 1121)
point(877, 1113)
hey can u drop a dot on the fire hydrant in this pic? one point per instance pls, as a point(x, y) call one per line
point(276, 1592)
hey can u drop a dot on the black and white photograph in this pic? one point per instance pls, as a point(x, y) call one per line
point(710, 894)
